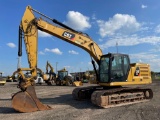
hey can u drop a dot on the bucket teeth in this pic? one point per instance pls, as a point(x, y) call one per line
point(27, 101)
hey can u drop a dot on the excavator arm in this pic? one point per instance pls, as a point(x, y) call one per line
point(48, 65)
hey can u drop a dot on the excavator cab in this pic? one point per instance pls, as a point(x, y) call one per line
point(62, 74)
point(114, 68)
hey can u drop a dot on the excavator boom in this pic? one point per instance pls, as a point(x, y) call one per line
point(30, 25)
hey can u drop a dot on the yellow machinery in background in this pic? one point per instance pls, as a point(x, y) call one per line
point(2, 80)
point(93, 79)
point(52, 75)
point(9, 79)
point(114, 70)
point(63, 78)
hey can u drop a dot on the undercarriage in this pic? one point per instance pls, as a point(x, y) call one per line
point(107, 97)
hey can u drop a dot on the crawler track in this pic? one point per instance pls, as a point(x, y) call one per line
point(112, 97)
point(83, 93)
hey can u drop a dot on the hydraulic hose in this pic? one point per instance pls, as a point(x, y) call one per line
point(20, 42)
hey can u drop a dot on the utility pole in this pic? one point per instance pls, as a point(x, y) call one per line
point(56, 66)
point(117, 46)
point(80, 74)
point(19, 62)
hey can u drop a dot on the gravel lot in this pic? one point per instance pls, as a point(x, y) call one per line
point(65, 108)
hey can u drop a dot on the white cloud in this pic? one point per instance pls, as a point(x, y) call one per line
point(140, 61)
point(156, 48)
point(120, 23)
point(157, 29)
point(94, 17)
point(143, 56)
point(77, 21)
point(55, 50)
point(47, 50)
point(148, 58)
point(11, 45)
point(130, 40)
point(100, 40)
point(155, 67)
point(41, 53)
point(43, 34)
point(67, 67)
point(144, 6)
point(73, 52)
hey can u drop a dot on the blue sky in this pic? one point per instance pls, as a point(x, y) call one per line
point(132, 24)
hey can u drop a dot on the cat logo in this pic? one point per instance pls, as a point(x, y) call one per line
point(68, 35)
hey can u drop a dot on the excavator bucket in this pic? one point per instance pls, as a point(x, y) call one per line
point(27, 101)
point(77, 83)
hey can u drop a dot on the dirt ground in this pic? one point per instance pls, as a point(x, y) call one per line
point(64, 107)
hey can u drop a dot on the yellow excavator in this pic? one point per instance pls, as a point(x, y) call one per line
point(42, 77)
point(114, 73)
point(51, 73)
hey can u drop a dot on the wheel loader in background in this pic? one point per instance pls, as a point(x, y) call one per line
point(2, 80)
point(114, 70)
point(63, 78)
